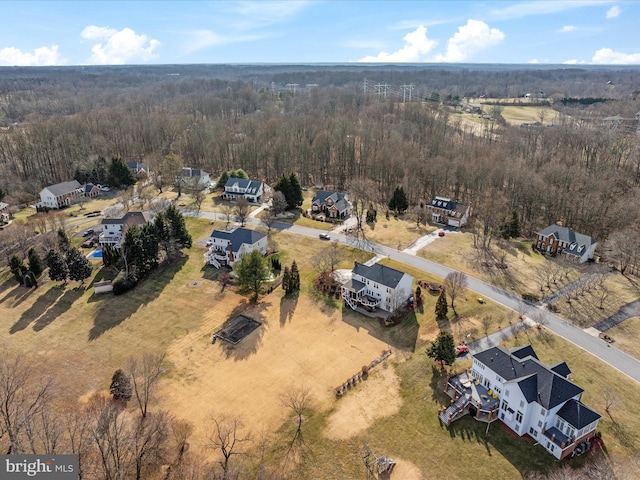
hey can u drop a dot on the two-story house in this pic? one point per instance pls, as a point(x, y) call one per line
point(229, 246)
point(90, 190)
point(139, 168)
point(60, 195)
point(113, 229)
point(529, 397)
point(193, 176)
point(556, 240)
point(377, 286)
point(336, 204)
point(448, 212)
point(237, 188)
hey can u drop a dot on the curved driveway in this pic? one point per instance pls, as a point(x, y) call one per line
point(611, 355)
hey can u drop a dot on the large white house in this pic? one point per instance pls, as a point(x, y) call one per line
point(229, 246)
point(60, 195)
point(377, 286)
point(237, 188)
point(113, 229)
point(531, 398)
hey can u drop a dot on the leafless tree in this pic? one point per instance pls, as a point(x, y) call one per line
point(486, 321)
point(227, 438)
point(267, 220)
point(327, 259)
point(198, 192)
point(144, 374)
point(159, 204)
point(181, 430)
point(297, 400)
point(149, 441)
point(242, 210)
point(77, 425)
point(23, 396)
point(455, 284)
point(43, 432)
point(278, 203)
point(622, 247)
point(227, 211)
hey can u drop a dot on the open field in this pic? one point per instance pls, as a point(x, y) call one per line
point(627, 336)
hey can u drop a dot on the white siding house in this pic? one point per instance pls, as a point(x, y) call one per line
point(113, 229)
point(377, 286)
point(60, 195)
point(237, 188)
point(227, 247)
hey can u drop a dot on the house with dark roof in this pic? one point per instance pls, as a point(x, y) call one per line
point(113, 229)
point(377, 286)
point(90, 190)
point(193, 176)
point(556, 240)
point(448, 212)
point(531, 398)
point(139, 168)
point(60, 195)
point(335, 204)
point(237, 188)
point(229, 246)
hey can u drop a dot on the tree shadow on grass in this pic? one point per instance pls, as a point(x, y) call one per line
point(16, 295)
point(402, 336)
point(113, 310)
point(288, 304)
point(250, 344)
point(62, 305)
point(39, 307)
point(437, 384)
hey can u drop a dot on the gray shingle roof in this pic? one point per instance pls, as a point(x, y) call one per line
point(577, 242)
point(378, 273)
point(578, 414)
point(251, 186)
point(338, 198)
point(548, 388)
point(64, 187)
point(238, 237)
point(129, 218)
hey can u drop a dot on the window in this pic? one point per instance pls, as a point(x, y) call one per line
point(543, 411)
point(487, 383)
point(519, 416)
point(521, 403)
point(560, 424)
point(570, 431)
point(533, 432)
point(539, 423)
point(506, 393)
point(505, 405)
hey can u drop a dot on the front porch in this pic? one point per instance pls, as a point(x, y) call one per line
point(469, 397)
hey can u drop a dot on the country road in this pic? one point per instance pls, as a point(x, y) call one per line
point(591, 344)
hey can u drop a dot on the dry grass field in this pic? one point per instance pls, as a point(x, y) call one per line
point(627, 336)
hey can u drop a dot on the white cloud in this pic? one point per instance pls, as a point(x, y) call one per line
point(263, 14)
point(199, 39)
point(42, 56)
point(119, 46)
point(533, 60)
point(573, 61)
point(568, 28)
point(470, 39)
point(525, 9)
point(613, 12)
point(415, 47)
point(607, 56)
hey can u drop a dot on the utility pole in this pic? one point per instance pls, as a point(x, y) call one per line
point(292, 87)
point(404, 88)
point(381, 89)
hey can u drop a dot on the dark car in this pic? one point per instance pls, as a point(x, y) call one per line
point(87, 232)
point(324, 236)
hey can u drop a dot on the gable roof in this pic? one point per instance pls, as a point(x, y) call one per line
point(561, 368)
point(129, 218)
point(577, 242)
point(192, 172)
point(88, 187)
point(238, 237)
point(522, 352)
point(536, 381)
point(578, 414)
point(339, 199)
point(62, 188)
point(378, 273)
point(251, 186)
point(448, 204)
point(138, 166)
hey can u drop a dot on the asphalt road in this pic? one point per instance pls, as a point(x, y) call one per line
point(593, 345)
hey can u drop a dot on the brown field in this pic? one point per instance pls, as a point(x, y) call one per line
point(627, 336)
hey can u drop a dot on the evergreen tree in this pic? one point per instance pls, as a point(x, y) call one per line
point(120, 175)
point(132, 253)
point(295, 278)
point(58, 269)
point(418, 295)
point(514, 226)
point(399, 200)
point(441, 305)
point(111, 257)
point(79, 266)
point(177, 228)
point(150, 248)
point(120, 386)
point(286, 280)
point(222, 181)
point(297, 196)
point(36, 265)
point(283, 185)
point(443, 350)
point(239, 173)
point(16, 265)
point(251, 272)
point(63, 240)
point(30, 280)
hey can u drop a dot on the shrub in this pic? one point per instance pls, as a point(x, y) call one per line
point(531, 297)
point(123, 285)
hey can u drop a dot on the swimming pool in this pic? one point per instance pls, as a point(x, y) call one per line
point(95, 254)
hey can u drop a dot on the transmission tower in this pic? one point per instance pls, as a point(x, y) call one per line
point(404, 89)
point(381, 89)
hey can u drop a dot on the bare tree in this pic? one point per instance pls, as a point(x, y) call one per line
point(149, 441)
point(227, 211)
point(486, 321)
point(77, 424)
point(44, 432)
point(227, 438)
point(144, 374)
point(278, 203)
point(198, 192)
point(242, 210)
point(455, 284)
point(267, 219)
point(181, 430)
point(297, 399)
point(327, 259)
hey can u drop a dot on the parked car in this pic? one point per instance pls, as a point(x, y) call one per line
point(209, 243)
point(324, 236)
point(441, 233)
point(87, 232)
point(462, 349)
point(105, 188)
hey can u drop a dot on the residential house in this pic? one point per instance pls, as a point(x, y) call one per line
point(139, 168)
point(556, 240)
point(377, 286)
point(60, 195)
point(529, 397)
point(193, 176)
point(229, 246)
point(5, 214)
point(448, 212)
point(90, 190)
point(237, 188)
point(336, 204)
point(113, 229)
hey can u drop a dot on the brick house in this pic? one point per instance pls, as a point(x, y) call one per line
point(556, 240)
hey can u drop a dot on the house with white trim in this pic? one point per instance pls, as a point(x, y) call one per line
point(60, 195)
point(193, 176)
point(531, 398)
point(448, 212)
point(336, 204)
point(237, 188)
point(113, 229)
point(377, 286)
point(229, 246)
point(556, 240)
point(5, 214)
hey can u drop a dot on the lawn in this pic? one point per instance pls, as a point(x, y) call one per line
point(627, 336)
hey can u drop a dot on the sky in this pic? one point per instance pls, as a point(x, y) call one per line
point(45, 33)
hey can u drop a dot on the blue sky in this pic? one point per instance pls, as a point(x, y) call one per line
point(168, 32)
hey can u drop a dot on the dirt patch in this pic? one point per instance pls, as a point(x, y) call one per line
point(405, 470)
point(376, 397)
